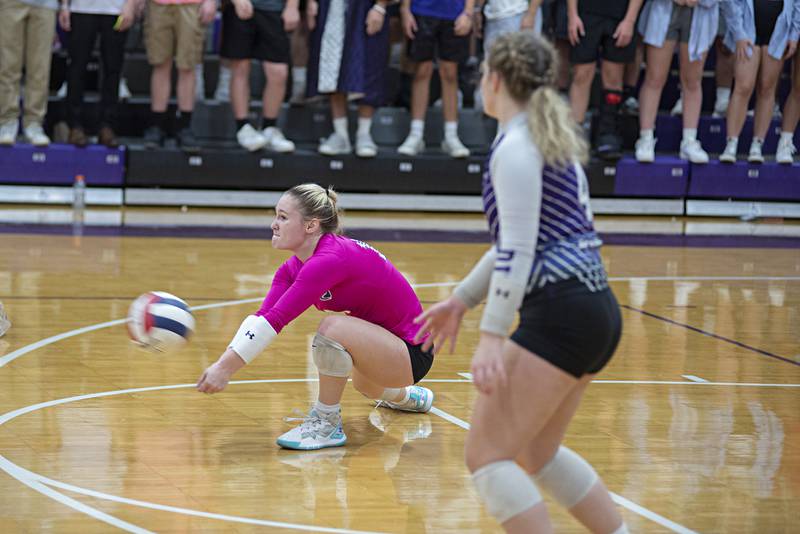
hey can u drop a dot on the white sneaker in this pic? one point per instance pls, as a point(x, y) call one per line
point(785, 152)
point(721, 107)
point(412, 146)
point(365, 146)
point(250, 138)
point(335, 145)
point(646, 150)
point(317, 431)
point(755, 155)
point(693, 151)
point(123, 92)
point(8, 132)
point(677, 109)
point(276, 141)
point(223, 91)
point(5, 324)
point(35, 135)
point(420, 400)
point(454, 148)
point(729, 154)
point(62, 91)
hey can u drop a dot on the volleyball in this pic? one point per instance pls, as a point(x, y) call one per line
point(160, 321)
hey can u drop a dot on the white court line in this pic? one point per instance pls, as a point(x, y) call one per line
point(24, 476)
point(622, 501)
point(468, 376)
point(694, 378)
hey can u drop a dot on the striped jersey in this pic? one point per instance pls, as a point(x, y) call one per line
point(567, 245)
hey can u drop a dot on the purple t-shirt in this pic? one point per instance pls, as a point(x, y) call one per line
point(343, 275)
point(440, 9)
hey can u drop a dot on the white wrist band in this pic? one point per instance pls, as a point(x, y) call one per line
point(379, 8)
point(253, 337)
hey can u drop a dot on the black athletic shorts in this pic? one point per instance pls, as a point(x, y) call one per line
point(261, 37)
point(421, 361)
point(766, 14)
point(567, 325)
point(436, 38)
point(554, 17)
point(599, 41)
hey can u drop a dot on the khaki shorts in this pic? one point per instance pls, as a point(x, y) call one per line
point(174, 30)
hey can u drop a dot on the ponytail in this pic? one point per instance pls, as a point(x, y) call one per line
point(558, 137)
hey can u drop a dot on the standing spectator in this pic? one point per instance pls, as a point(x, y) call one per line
point(174, 29)
point(348, 60)
point(763, 34)
point(601, 29)
point(299, 52)
point(691, 25)
point(791, 114)
point(436, 29)
point(258, 29)
point(504, 16)
point(26, 35)
point(554, 26)
point(85, 19)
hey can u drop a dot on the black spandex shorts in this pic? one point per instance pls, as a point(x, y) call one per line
point(766, 14)
point(421, 361)
point(570, 327)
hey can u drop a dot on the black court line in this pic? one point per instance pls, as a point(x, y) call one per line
point(715, 336)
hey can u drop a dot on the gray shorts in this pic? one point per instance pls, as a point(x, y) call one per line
point(680, 24)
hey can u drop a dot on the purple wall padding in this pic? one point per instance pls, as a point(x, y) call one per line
point(768, 181)
point(666, 177)
point(58, 164)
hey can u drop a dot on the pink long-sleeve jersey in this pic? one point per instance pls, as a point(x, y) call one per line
point(343, 275)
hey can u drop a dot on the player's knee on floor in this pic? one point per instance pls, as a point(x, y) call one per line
point(330, 357)
point(568, 478)
point(505, 489)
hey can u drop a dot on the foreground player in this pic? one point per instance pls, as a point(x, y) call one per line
point(373, 340)
point(546, 264)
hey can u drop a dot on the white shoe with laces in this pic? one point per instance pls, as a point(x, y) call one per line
point(35, 135)
point(317, 431)
point(454, 148)
point(785, 152)
point(5, 324)
point(276, 141)
point(729, 154)
point(250, 139)
point(756, 154)
point(721, 107)
point(646, 150)
point(8, 132)
point(365, 146)
point(419, 400)
point(335, 145)
point(412, 146)
point(692, 150)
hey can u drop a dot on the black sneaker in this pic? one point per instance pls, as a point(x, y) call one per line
point(187, 141)
point(609, 141)
point(153, 138)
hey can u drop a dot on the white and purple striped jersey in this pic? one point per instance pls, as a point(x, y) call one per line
point(541, 227)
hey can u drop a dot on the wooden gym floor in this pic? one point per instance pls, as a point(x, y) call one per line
point(695, 424)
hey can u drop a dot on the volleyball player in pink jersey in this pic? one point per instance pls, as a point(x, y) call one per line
point(373, 340)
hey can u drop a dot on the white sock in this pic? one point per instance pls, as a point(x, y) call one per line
point(723, 94)
point(787, 137)
point(690, 134)
point(757, 141)
point(364, 125)
point(390, 394)
point(417, 128)
point(327, 409)
point(299, 74)
point(646, 135)
point(340, 127)
point(451, 130)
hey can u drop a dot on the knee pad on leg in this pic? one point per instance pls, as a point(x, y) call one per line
point(330, 357)
point(567, 477)
point(505, 489)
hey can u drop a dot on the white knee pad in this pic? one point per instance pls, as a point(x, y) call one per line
point(505, 489)
point(567, 477)
point(331, 357)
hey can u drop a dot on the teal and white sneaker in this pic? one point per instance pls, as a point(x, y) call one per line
point(420, 400)
point(317, 431)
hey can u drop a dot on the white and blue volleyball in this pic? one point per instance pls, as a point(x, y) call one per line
point(160, 321)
